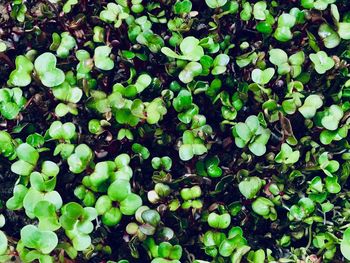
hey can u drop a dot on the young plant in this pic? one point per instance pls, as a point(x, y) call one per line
point(45, 67)
point(332, 37)
point(303, 209)
point(119, 191)
point(285, 23)
point(62, 44)
point(219, 221)
point(215, 3)
point(219, 246)
point(85, 65)
point(16, 201)
point(28, 157)
point(69, 93)
point(115, 13)
point(190, 51)
point(184, 106)
point(80, 159)
point(311, 104)
point(292, 102)
point(327, 136)
point(251, 186)
point(262, 77)
point(209, 167)
point(322, 62)
point(168, 253)
point(251, 133)
point(265, 208)
point(64, 133)
point(3, 242)
point(151, 40)
point(328, 166)
point(67, 7)
point(287, 155)
point(46, 214)
point(85, 195)
point(330, 117)
point(76, 221)
point(317, 4)
point(36, 244)
point(21, 76)
point(33, 196)
point(147, 223)
point(11, 102)
point(191, 197)
point(161, 191)
point(162, 163)
point(191, 146)
point(102, 58)
point(292, 65)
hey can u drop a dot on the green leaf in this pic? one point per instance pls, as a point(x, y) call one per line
point(169, 53)
point(186, 152)
point(130, 204)
point(311, 104)
point(345, 244)
point(112, 217)
point(330, 38)
point(27, 153)
point(344, 30)
point(67, 7)
point(16, 201)
point(119, 190)
point(102, 59)
point(332, 184)
point(322, 62)
point(297, 58)
point(262, 206)
point(182, 101)
point(219, 221)
point(43, 241)
point(286, 20)
point(215, 3)
point(9, 110)
point(33, 196)
point(287, 155)
point(190, 48)
point(262, 77)
point(242, 130)
point(250, 187)
point(182, 7)
point(190, 71)
point(332, 117)
point(45, 66)
point(259, 9)
point(199, 149)
point(278, 56)
point(35, 140)
point(219, 64)
point(80, 159)
point(257, 148)
point(67, 43)
point(46, 213)
point(3, 243)
point(22, 168)
point(21, 76)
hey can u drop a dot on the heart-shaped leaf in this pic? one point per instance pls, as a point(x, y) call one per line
point(45, 66)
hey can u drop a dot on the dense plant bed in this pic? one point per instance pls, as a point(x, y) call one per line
point(174, 131)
